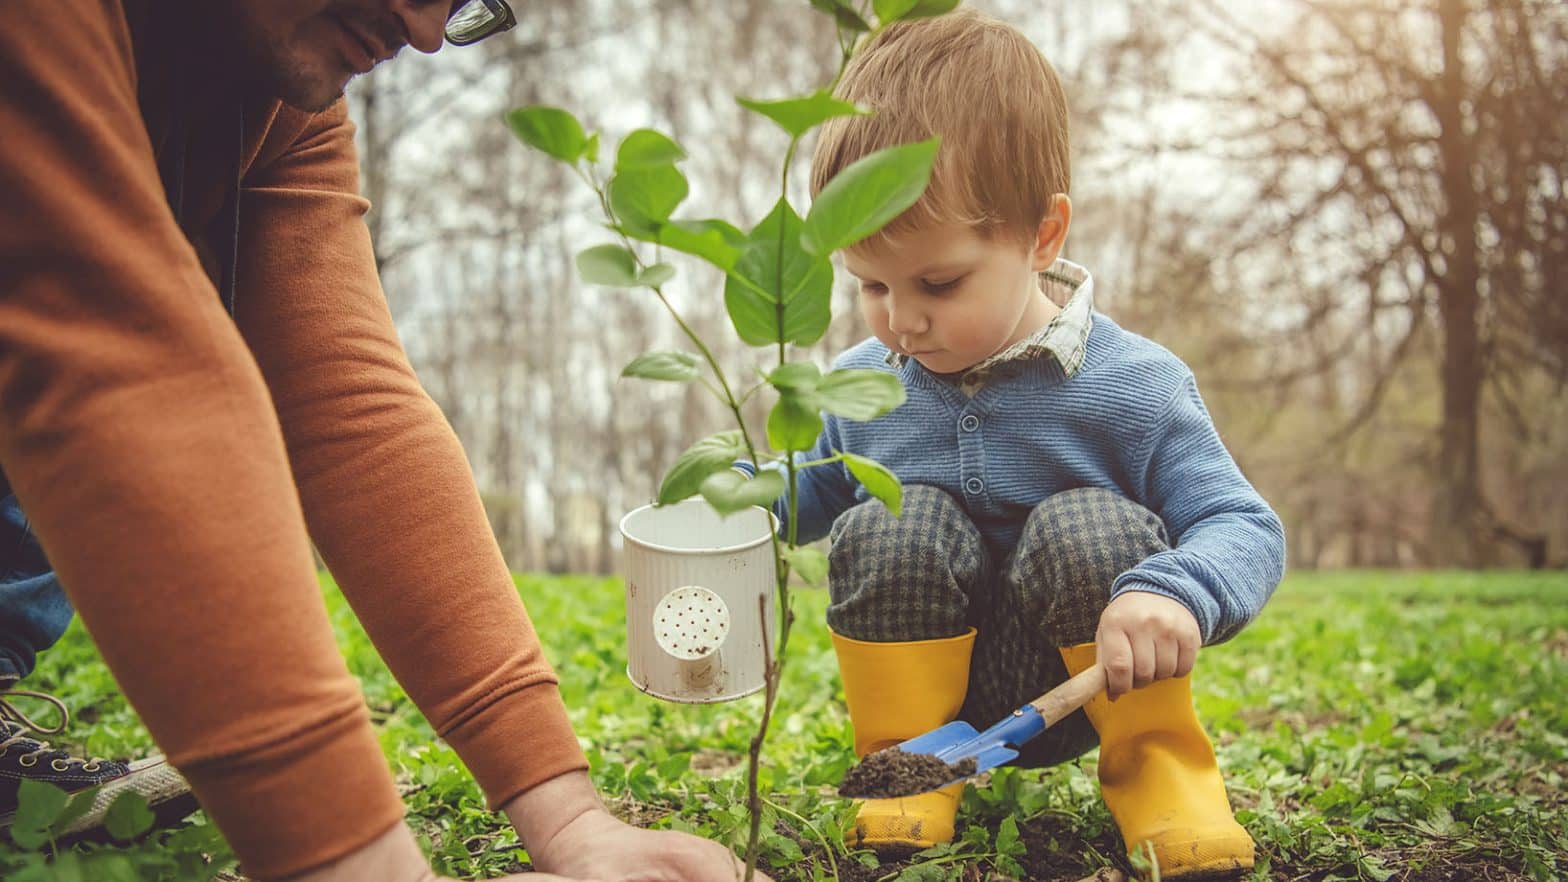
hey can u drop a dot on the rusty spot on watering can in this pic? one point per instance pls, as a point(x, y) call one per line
point(701, 673)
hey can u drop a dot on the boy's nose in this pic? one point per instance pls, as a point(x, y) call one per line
point(904, 318)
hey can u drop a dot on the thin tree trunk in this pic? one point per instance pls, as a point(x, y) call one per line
point(1458, 502)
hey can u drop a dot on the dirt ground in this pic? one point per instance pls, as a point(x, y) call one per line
point(1056, 853)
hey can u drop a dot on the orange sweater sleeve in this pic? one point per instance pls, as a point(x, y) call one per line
point(139, 435)
point(386, 488)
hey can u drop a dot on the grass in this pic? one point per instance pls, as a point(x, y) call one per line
point(1372, 726)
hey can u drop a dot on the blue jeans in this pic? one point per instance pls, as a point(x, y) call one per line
point(34, 611)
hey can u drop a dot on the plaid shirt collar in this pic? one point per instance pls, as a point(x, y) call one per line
point(1064, 338)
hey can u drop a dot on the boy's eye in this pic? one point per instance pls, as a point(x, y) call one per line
point(937, 287)
point(873, 287)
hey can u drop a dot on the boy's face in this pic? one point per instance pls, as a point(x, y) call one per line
point(951, 298)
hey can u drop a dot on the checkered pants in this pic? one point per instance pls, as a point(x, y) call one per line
point(929, 575)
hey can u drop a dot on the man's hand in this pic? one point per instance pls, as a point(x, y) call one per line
point(567, 831)
point(598, 845)
point(395, 857)
point(1145, 637)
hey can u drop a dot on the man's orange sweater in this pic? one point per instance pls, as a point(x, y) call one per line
point(170, 458)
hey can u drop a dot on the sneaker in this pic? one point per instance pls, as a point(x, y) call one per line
point(23, 757)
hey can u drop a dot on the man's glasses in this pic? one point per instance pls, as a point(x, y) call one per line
point(473, 20)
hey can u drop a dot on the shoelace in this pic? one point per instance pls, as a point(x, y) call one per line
point(10, 715)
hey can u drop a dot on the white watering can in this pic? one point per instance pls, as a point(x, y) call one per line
point(699, 598)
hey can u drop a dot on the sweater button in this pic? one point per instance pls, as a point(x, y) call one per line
point(969, 423)
point(974, 486)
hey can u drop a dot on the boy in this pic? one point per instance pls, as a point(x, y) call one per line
point(1065, 491)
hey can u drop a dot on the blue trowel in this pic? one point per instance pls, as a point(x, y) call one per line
point(958, 741)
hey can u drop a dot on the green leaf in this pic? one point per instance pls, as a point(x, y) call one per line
point(878, 481)
point(1007, 841)
point(796, 376)
point(891, 10)
point(923, 872)
point(808, 563)
point(865, 196)
point(798, 116)
point(843, 14)
point(551, 130)
point(128, 816)
point(68, 868)
point(614, 266)
point(656, 275)
point(793, 424)
point(716, 241)
point(643, 197)
point(644, 148)
point(674, 766)
point(783, 850)
point(806, 292)
point(639, 782)
point(897, 10)
point(715, 453)
point(859, 393)
point(29, 837)
point(39, 804)
point(81, 803)
point(729, 491)
point(119, 868)
point(930, 8)
point(677, 367)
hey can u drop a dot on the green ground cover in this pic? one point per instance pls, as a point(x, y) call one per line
point(1373, 726)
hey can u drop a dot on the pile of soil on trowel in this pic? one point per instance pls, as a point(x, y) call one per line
point(894, 772)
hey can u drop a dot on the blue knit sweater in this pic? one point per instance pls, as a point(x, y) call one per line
point(1129, 419)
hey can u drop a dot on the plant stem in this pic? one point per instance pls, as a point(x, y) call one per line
point(827, 846)
point(754, 755)
point(772, 666)
point(774, 661)
point(778, 286)
point(773, 658)
point(811, 463)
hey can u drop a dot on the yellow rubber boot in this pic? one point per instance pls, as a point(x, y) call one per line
point(896, 691)
point(1159, 777)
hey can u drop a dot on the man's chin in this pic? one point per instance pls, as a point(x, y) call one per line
point(312, 100)
point(311, 103)
point(311, 91)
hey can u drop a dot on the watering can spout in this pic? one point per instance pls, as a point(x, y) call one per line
point(691, 622)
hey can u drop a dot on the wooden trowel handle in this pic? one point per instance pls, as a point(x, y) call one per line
point(1055, 705)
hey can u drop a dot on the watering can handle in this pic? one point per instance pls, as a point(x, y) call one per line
point(1071, 695)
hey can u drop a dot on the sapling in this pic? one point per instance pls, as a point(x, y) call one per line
point(778, 294)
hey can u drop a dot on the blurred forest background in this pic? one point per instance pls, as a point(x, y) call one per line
point(1348, 217)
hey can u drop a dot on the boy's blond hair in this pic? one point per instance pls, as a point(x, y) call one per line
point(992, 97)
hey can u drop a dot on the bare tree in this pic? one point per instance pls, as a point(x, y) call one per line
point(1406, 166)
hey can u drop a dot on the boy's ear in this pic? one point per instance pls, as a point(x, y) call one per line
point(1052, 234)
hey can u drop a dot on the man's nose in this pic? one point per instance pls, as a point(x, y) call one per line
point(425, 22)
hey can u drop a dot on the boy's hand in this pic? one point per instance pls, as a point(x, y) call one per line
point(1145, 637)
